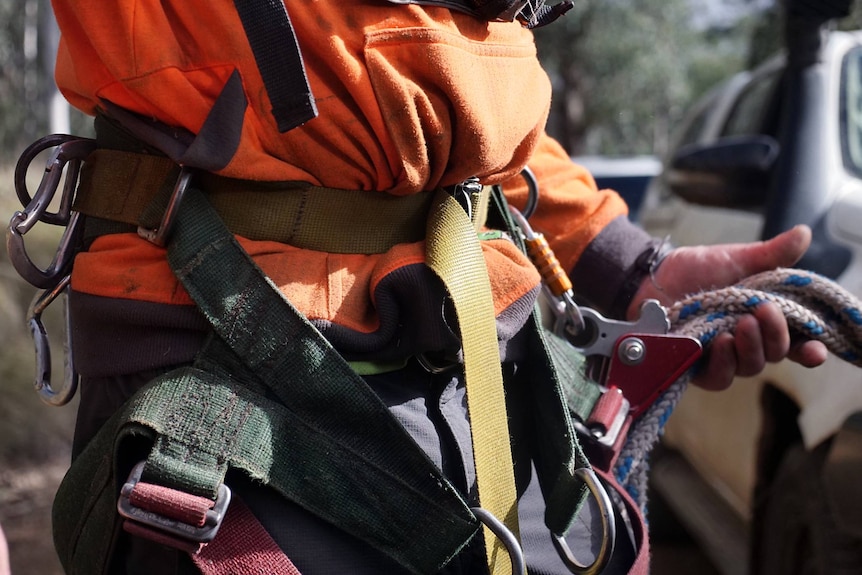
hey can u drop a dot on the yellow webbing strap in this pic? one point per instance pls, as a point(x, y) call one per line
point(454, 253)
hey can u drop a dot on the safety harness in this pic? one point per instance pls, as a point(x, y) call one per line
point(253, 406)
point(297, 417)
point(182, 436)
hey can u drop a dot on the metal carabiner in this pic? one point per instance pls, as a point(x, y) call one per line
point(33, 274)
point(68, 150)
point(68, 155)
point(608, 521)
point(42, 381)
point(533, 192)
point(506, 537)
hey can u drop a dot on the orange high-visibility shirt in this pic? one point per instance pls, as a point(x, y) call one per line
point(410, 98)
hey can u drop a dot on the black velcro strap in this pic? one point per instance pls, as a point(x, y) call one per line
point(279, 61)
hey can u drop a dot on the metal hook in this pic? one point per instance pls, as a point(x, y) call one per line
point(36, 276)
point(533, 188)
point(42, 382)
point(67, 156)
point(510, 542)
point(606, 514)
point(69, 150)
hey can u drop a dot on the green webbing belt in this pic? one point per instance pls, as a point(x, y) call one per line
point(133, 189)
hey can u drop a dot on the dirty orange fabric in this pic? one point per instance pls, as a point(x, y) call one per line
point(410, 98)
point(334, 287)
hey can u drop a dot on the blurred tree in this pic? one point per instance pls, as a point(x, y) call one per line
point(625, 71)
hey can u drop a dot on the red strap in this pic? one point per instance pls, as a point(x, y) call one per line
point(185, 508)
point(642, 560)
point(243, 547)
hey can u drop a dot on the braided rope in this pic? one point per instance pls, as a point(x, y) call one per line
point(814, 306)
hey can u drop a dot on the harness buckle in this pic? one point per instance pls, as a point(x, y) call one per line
point(172, 517)
point(606, 428)
point(159, 235)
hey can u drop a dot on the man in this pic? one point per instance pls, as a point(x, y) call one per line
point(410, 98)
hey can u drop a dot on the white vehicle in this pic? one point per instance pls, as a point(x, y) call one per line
point(771, 469)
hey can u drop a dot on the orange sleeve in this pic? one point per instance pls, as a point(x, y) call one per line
point(571, 210)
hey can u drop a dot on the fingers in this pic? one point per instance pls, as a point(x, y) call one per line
point(773, 332)
point(808, 353)
point(759, 338)
point(748, 346)
point(720, 365)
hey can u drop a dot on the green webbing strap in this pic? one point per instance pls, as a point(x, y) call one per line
point(329, 405)
point(275, 412)
point(454, 254)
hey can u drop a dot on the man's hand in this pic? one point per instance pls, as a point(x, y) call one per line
point(760, 337)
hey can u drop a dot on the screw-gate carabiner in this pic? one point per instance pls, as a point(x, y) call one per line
point(68, 155)
point(42, 381)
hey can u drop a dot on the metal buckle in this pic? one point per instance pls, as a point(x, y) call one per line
point(506, 537)
point(609, 529)
point(159, 235)
point(198, 534)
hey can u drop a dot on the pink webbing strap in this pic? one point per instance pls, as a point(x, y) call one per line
point(642, 559)
point(243, 547)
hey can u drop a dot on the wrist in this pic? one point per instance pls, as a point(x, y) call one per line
point(643, 277)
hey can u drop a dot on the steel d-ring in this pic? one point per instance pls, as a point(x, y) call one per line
point(510, 542)
point(609, 530)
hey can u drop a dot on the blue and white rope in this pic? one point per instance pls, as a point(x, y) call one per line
point(814, 306)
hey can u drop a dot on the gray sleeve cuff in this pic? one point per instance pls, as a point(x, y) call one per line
point(611, 269)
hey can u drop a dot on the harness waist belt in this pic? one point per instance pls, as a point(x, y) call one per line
point(133, 189)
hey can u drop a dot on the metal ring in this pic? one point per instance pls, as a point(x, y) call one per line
point(606, 512)
point(506, 537)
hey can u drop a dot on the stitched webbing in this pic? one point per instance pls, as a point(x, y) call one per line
point(134, 188)
point(454, 254)
point(319, 392)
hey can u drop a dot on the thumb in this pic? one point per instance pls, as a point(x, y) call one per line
point(783, 250)
point(688, 270)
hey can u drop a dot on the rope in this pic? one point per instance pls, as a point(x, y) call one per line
point(814, 306)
